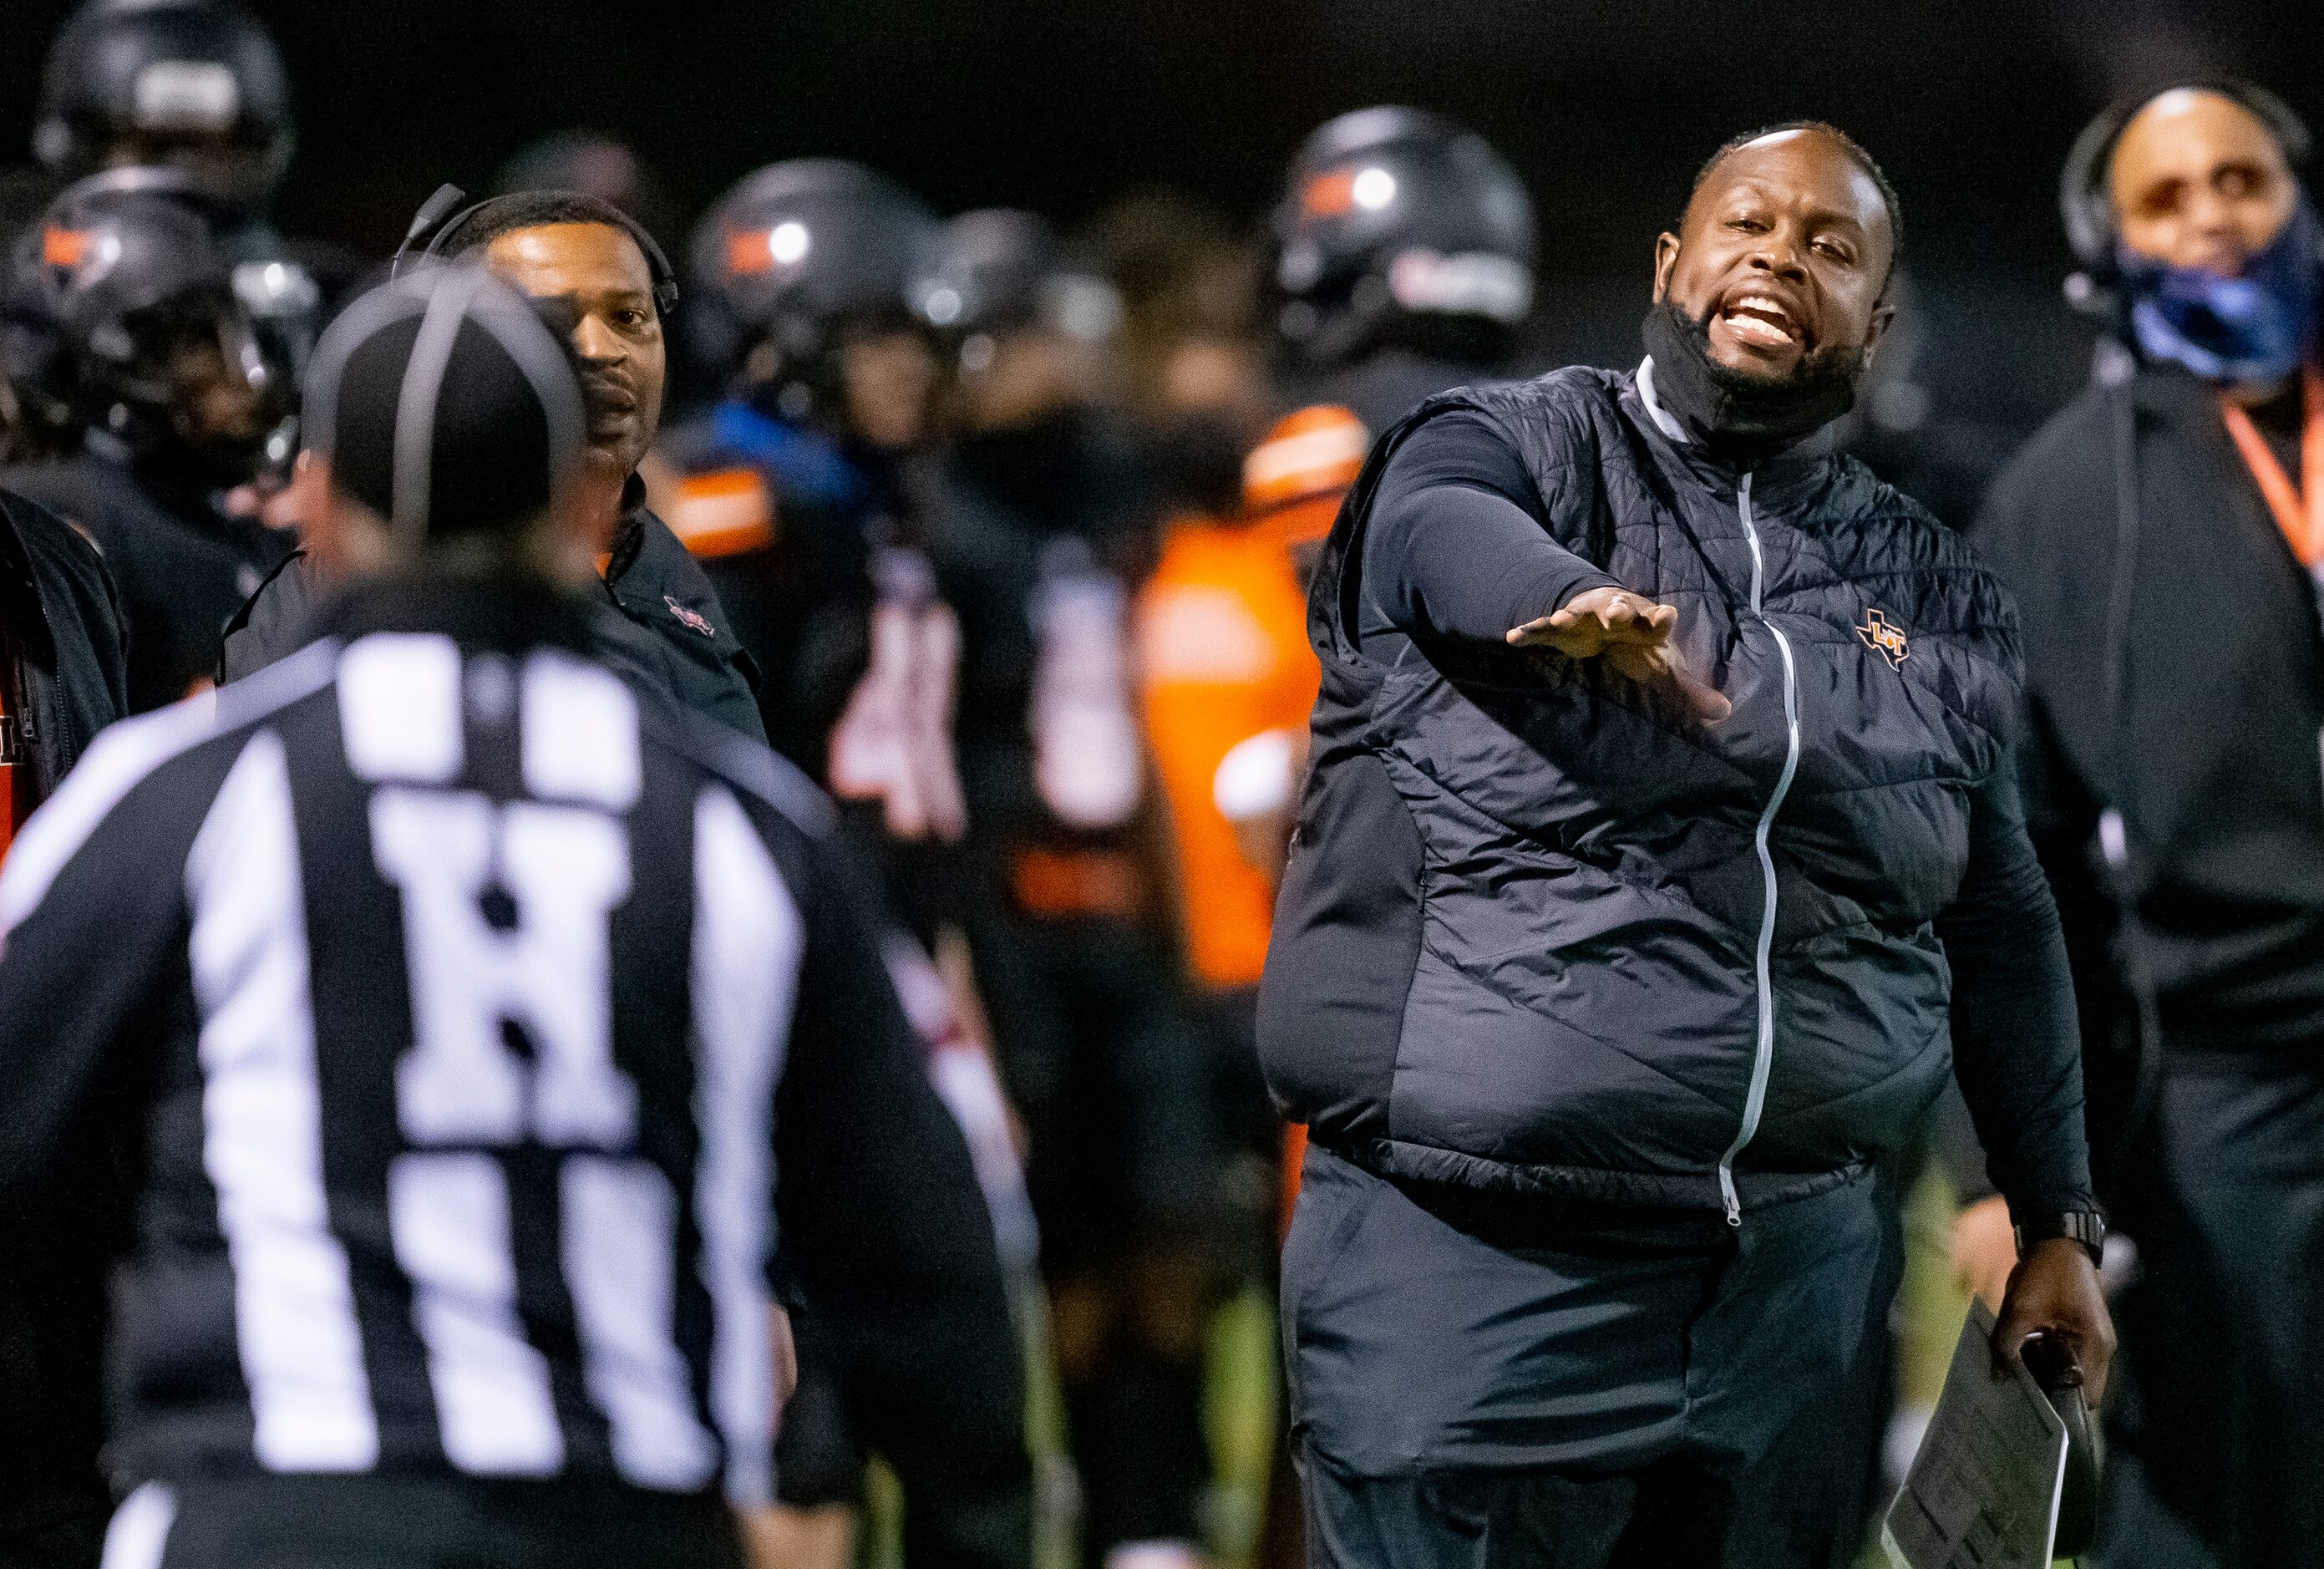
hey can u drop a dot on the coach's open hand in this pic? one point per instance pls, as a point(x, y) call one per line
point(1634, 635)
point(2054, 1291)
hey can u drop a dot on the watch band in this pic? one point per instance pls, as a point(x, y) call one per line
point(2084, 1226)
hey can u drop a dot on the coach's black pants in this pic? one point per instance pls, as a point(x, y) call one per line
point(1490, 1384)
point(2217, 1423)
point(377, 1522)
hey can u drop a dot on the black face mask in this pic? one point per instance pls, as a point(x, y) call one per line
point(1739, 417)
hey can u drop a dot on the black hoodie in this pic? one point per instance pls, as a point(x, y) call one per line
point(2182, 686)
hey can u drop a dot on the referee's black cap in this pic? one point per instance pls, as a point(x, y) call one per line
point(446, 405)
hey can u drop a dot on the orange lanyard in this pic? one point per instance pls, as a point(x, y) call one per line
point(2300, 517)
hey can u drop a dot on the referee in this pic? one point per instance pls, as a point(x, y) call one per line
point(445, 996)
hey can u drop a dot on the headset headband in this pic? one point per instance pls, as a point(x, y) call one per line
point(2088, 206)
point(441, 216)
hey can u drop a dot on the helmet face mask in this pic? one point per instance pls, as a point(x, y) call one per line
point(198, 383)
point(238, 169)
point(285, 307)
point(158, 349)
point(1398, 225)
point(796, 261)
point(194, 385)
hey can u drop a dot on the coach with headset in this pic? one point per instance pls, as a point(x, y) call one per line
point(610, 289)
point(2165, 535)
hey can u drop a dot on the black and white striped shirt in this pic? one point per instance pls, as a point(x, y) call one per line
point(446, 996)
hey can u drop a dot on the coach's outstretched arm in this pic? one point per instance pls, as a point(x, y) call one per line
point(1453, 552)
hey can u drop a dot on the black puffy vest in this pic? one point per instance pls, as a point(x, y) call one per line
point(1522, 939)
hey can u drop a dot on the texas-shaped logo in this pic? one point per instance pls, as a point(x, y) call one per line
point(1885, 637)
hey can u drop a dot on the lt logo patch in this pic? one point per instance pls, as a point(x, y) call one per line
point(1885, 637)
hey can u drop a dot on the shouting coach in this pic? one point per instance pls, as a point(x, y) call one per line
point(1659, 860)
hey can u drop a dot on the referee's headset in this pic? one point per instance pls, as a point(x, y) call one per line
point(442, 217)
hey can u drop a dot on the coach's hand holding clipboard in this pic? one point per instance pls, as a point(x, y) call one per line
point(2006, 1474)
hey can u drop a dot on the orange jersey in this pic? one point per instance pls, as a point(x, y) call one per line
point(1223, 653)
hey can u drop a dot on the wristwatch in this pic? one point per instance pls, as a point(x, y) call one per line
point(2086, 1226)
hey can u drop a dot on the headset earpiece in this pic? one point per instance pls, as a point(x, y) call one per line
point(665, 289)
point(2083, 201)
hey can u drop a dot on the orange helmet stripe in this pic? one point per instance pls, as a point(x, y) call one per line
point(749, 252)
point(1330, 194)
point(63, 247)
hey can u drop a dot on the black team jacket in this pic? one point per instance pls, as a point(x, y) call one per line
point(1540, 933)
point(2174, 679)
point(657, 624)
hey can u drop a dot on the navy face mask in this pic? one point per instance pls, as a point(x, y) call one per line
point(2235, 331)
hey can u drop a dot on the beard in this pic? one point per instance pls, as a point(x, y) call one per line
point(1740, 414)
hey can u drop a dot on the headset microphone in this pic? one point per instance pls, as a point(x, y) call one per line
point(427, 222)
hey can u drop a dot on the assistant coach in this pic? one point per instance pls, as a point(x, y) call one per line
point(1659, 860)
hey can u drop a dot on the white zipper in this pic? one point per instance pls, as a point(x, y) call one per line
point(1763, 1057)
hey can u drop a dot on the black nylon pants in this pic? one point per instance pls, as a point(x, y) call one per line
point(2217, 1458)
point(1473, 1386)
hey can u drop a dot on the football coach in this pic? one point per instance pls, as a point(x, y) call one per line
point(1660, 858)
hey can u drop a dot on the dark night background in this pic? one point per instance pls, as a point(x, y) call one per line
point(1059, 104)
